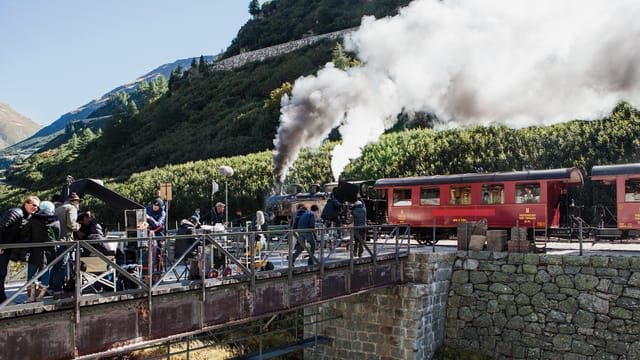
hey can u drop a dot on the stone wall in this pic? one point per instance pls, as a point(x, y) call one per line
point(271, 51)
point(532, 306)
point(401, 322)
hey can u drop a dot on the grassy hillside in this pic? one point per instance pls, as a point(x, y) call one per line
point(209, 114)
point(217, 115)
point(404, 153)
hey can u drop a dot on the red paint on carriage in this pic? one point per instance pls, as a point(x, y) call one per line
point(626, 179)
point(526, 198)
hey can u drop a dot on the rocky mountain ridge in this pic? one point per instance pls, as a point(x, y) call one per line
point(14, 126)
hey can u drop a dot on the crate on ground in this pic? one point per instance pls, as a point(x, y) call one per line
point(496, 240)
point(467, 229)
point(522, 246)
point(519, 242)
point(476, 242)
point(518, 234)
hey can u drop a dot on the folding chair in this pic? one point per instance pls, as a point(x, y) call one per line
point(97, 271)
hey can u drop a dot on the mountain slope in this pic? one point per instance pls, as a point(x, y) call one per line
point(225, 112)
point(14, 126)
point(33, 143)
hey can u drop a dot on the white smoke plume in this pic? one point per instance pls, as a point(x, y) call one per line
point(515, 62)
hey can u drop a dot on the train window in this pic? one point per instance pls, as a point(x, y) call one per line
point(632, 190)
point(430, 196)
point(460, 195)
point(528, 193)
point(492, 194)
point(401, 197)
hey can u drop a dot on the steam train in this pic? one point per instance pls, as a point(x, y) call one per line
point(539, 200)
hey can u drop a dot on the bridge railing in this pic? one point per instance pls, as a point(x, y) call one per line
point(113, 268)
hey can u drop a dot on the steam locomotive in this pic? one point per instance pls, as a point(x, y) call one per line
point(539, 200)
point(283, 206)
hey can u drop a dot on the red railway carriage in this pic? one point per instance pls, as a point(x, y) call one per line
point(626, 178)
point(526, 197)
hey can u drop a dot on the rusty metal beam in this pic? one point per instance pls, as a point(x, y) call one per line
point(101, 329)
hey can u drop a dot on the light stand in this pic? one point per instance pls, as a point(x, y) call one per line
point(227, 172)
point(226, 201)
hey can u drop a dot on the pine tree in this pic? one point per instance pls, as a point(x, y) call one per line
point(342, 60)
point(254, 8)
point(176, 75)
point(203, 68)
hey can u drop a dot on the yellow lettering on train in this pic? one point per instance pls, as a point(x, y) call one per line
point(402, 217)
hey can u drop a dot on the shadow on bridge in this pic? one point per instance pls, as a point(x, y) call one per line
point(141, 291)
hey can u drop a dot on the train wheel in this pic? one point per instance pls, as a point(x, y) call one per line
point(425, 238)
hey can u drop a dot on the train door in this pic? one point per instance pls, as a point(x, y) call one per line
point(400, 205)
point(377, 205)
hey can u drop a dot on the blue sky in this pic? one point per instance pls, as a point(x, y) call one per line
point(59, 55)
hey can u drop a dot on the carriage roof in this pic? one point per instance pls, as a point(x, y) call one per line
point(568, 175)
point(604, 172)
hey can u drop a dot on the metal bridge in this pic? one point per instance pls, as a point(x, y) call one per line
point(120, 303)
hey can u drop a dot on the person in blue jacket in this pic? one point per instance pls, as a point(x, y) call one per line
point(307, 221)
point(156, 217)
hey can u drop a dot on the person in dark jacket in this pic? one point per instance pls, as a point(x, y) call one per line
point(331, 218)
point(300, 209)
point(186, 227)
point(92, 230)
point(307, 221)
point(11, 223)
point(359, 212)
point(563, 204)
point(216, 216)
point(156, 217)
point(331, 212)
point(44, 226)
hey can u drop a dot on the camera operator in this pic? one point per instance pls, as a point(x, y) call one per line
point(331, 212)
point(331, 218)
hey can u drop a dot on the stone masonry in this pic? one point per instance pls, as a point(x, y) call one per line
point(533, 306)
point(401, 322)
point(237, 61)
point(504, 305)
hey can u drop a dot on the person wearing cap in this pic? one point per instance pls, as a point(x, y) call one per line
point(11, 223)
point(156, 217)
point(67, 213)
point(43, 227)
point(187, 226)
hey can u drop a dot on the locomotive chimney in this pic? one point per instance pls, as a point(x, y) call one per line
point(278, 186)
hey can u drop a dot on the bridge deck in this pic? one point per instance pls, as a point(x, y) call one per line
point(167, 304)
